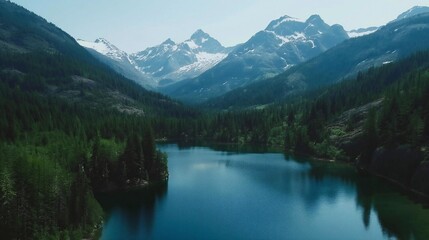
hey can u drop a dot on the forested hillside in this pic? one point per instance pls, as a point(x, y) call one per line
point(378, 120)
point(69, 127)
point(321, 121)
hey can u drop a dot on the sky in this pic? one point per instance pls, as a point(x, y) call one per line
point(134, 25)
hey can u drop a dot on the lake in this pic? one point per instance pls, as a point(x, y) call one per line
point(226, 192)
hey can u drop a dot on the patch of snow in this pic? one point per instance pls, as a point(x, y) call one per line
point(204, 62)
point(286, 19)
point(355, 33)
point(102, 46)
point(387, 62)
point(192, 45)
point(204, 40)
point(298, 35)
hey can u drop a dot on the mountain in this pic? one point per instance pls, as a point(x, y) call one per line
point(365, 31)
point(163, 64)
point(394, 41)
point(284, 43)
point(412, 12)
point(37, 56)
point(69, 125)
point(170, 62)
point(21, 31)
point(118, 60)
point(361, 32)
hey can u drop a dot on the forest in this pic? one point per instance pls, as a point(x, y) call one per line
point(395, 94)
point(57, 153)
point(70, 127)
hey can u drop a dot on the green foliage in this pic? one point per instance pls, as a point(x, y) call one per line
point(327, 150)
point(53, 155)
point(402, 119)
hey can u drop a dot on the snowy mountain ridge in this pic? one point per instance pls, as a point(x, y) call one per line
point(168, 61)
point(104, 47)
point(177, 61)
point(361, 32)
point(284, 43)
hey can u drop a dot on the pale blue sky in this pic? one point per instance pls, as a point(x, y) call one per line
point(134, 25)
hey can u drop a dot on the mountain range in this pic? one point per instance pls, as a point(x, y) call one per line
point(284, 43)
point(37, 56)
point(390, 43)
point(200, 68)
point(163, 64)
point(118, 60)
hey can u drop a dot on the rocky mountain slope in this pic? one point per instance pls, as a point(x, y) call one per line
point(118, 60)
point(285, 42)
point(390, 43)
point(162, 64)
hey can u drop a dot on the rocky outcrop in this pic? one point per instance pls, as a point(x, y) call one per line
point(346, 131)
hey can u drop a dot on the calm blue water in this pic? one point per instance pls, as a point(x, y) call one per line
point(215, 194)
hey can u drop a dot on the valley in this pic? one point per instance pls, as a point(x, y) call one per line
point(87, 129)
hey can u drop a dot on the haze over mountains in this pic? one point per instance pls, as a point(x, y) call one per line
point(284, 43)
point(201, 68)
point(165, 63)
point(39, 56)
point(390, 43)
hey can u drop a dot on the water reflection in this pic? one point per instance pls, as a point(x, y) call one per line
point(227, 148)
point(136, 208)
point(400, 214)
point(313, 181)
point(212, 194)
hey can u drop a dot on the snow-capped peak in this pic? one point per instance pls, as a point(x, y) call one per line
point(276, 23)
point(203, 42)
point(104, 47)
point(177, 61)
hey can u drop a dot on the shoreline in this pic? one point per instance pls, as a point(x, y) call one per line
point(394, 182)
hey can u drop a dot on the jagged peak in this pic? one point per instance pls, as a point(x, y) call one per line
point(289, 18)
point(168, 42)
point(200, 34)
point(315, 19)
point(101, 40)
point(280, 21)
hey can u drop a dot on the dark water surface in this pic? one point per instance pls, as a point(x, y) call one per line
point(237, 194)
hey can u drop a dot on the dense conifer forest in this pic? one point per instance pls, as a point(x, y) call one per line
point(61, 142)
point(70, 127)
